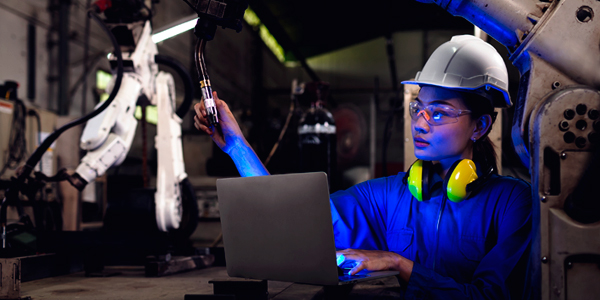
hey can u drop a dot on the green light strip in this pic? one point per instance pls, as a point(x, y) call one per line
point(252, 19)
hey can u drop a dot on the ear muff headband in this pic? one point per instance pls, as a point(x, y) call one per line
point(460, 175)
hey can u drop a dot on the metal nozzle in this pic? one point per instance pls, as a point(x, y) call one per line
point(77, 181)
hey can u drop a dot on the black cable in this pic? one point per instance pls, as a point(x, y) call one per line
point(200, 63)
point(13, 192)
point(34, 113)
point(197, 52)
point(211, 110)
point(188, 83)
point(36, 156)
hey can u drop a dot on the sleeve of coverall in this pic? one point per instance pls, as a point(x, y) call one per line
point(491, 278)
point(358, 215)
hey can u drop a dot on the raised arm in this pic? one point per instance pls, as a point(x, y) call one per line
point(230, 139)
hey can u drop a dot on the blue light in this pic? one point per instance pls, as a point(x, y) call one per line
point(246, 161)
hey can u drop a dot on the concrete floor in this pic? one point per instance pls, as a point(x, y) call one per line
point(132, 284)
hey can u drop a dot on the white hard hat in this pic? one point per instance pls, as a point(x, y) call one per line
point(467, 63)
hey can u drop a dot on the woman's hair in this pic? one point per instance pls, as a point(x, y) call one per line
point(484, 152)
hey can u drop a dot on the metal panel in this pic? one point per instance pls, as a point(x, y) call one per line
point(11, 278)
point(558, 166)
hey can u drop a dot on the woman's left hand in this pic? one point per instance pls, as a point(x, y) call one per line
point(376, 260)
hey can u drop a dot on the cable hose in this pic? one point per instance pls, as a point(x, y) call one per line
point(36, 156)
point(13, 191)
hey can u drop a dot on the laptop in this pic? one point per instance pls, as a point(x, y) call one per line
point(279, 227)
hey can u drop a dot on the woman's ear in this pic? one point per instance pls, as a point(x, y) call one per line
point(483, 125)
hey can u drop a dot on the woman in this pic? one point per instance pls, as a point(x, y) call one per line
point(473, 246)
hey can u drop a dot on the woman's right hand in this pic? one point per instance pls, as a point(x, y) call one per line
point(228, 133)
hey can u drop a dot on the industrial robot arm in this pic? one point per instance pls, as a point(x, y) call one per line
point(556, 128)
point(552, 43)
point(108, 136)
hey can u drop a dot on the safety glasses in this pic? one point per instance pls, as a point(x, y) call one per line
point(435, 114)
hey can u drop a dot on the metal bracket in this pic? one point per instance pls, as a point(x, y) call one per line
point(10, 271)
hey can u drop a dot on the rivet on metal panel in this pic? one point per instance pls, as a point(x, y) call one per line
point(544, 259)
point(563, 155)
point(563, 125)
point(585, 14)
point(544, 199)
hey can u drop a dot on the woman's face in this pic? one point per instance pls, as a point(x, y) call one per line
point(445, 143)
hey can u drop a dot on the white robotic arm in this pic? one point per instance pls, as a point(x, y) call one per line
point(108, 136)
point(171, 171)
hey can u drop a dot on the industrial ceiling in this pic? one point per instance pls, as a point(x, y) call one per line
point(305, 28)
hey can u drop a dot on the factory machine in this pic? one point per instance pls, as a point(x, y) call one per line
point(107, 137)
point(110, 129)
point(555, 46)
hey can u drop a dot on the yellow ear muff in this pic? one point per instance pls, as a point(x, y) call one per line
point(415, 180)
point(463, 173)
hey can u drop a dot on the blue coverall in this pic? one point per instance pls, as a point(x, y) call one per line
point(474, 249)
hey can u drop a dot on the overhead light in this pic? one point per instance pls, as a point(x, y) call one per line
point(173, 31)
point(189, 22)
